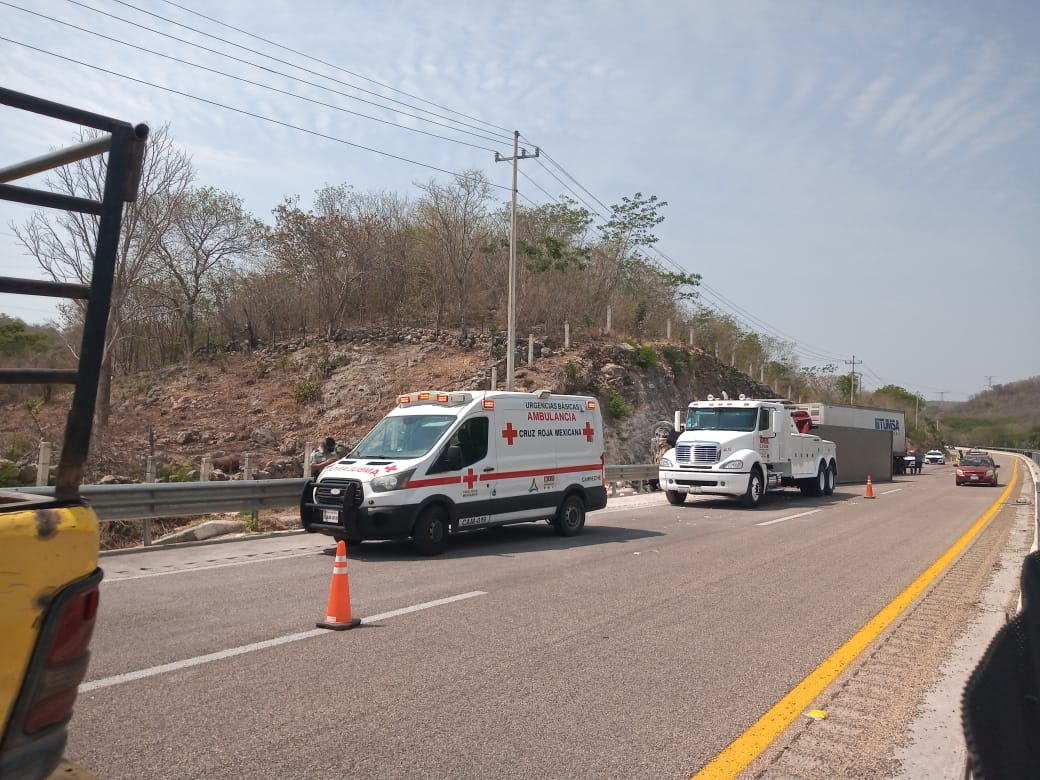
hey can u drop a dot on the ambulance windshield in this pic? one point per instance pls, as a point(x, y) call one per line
point(722, 419)
point(403, 436)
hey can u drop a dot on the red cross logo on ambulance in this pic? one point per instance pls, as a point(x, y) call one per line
point(391, 468)
point(469, 478)
point(509, 433)
point(589, 431)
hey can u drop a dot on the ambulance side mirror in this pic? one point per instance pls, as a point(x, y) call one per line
point(453, 458)
point(450, 459)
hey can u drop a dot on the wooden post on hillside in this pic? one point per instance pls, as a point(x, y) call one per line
point(530, 349)
point(566, 334)
point(43, 465)
point(494, 378)
point(247, 468)
point(206, 469)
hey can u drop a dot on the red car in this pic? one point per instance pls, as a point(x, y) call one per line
point(977, 470)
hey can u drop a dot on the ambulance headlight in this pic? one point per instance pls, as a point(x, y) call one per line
point(665, 463)
point(732, 464)
point(387, 482)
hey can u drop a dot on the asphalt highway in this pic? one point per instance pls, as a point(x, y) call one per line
point(662, 642)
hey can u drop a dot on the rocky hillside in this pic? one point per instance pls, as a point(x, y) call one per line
point(272, 400)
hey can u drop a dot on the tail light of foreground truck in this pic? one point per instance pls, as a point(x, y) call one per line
point(49, 583)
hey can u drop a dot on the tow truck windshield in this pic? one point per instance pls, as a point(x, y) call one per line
point(722, 419)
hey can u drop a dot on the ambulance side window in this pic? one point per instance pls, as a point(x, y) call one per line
point(470, 441)
point(473, 440)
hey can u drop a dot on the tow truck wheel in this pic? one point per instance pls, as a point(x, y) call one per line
point(675, 498)
point(430, 535)
point(832, 480)
point(815, 486)
point(570, 517)
point(753, 495)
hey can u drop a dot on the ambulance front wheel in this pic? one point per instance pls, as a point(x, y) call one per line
point(430, 535)
point(570, 517)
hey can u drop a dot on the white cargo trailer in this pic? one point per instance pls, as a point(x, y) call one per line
point(865, 417)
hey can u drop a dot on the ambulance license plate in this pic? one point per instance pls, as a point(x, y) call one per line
point(330, 516)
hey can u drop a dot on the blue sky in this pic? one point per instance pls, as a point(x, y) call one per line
point(860, 179)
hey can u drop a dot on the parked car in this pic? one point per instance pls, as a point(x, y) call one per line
point(935, 456)
point(977, 470)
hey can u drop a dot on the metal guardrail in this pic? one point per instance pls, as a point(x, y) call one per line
point(174, 499)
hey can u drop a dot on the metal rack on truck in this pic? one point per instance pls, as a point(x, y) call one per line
point(49, 573)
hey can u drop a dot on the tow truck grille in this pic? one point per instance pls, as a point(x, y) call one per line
point(347, 493)
point(698, 452)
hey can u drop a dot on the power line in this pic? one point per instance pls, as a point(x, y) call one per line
point(259, 67)
point(242, 111)
point(330, 65)
point(268, 56)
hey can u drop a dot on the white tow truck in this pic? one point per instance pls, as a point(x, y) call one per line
point(744, 447)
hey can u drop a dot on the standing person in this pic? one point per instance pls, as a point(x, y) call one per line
point(324, 456)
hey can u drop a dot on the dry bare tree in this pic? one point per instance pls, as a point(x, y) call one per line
point(63, 244)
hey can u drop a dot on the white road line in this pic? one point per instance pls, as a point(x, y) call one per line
point(790, 517)
point(894, 490)
point(187, 663)
point(118, 578)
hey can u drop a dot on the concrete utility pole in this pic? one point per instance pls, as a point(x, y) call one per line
point(852, 384)
point(518, 154)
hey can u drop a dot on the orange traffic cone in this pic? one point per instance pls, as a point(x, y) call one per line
point(337, 614)
point(870, 488)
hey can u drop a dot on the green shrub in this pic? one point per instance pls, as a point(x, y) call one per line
point(618, 408)
point(176, 472)
point(647, 357)
point(677, 358)
point(261, 369)
point(498, 351)
point(9, 474)
point(19, 447)
point(250, 522)
point(325, 366)
point(306, 393)
point(571, 370)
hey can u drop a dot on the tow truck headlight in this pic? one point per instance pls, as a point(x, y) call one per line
point(665, 463)
point(387, 482)
point(732, 464)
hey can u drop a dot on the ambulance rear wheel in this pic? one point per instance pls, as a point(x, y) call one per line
point(570, 517)
point(430, 535)
point(675, 498)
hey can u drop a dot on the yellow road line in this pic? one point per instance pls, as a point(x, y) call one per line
point(749, 745)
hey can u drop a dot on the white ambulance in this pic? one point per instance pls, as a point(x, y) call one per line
point(447, 462)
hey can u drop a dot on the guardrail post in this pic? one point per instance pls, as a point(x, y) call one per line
point(308, 450)
point(149, 476)
point(494, 377)
point(247, 469)
point(43, 465)
point(205, 469)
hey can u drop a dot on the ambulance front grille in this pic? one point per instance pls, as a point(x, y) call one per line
point(347, 493)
